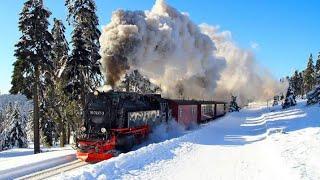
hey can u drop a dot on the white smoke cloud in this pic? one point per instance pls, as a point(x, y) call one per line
point(183, 58)
point(164, 45)
point(242, 76)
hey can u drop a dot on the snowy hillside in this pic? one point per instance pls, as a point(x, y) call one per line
point(254, 144)
point(24, 104)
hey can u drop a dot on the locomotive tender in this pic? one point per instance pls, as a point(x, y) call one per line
point(116, 121)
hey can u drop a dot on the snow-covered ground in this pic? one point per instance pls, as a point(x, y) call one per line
point(259, 143)
point(256, 143)
point(18, 162)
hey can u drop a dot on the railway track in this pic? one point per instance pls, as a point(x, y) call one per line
point(48, 173)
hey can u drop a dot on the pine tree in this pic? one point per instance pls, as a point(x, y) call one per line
point(60, 45)
point(58, 99)
point(49, 132)
point(317, 68)
point(300, 85)
point(13, 133)
point(309, 75)
point(290, 99)
point(20, 83)
point(136, 82)
point(233, 104)
point(314, 95)
point(294, 80)
point(1, 121)
point(17, 130)
point(78, 82)
point(83, 65)
point(4, 133)
point(33, 57)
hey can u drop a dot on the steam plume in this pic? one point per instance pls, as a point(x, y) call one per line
point(186, 60)
point(164, 45)
point(242, 76)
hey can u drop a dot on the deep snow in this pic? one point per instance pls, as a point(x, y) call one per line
point(19, 162)
point(257, 143)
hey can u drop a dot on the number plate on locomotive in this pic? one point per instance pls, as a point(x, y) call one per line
point(97, 113)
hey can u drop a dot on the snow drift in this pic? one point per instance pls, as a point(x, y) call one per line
point(186, 60)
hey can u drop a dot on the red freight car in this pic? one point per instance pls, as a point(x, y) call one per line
point(184, 111)
point(188, 112)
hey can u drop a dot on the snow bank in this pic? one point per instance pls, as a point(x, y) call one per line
point(15, 163)
point(17, 157)
point(251, 144)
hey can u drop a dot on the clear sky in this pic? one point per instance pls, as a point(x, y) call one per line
point(284, 32)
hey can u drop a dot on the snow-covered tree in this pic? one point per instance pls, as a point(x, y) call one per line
point(83, 65)
point(33, 57)
point(17, 131)
point(57, 99)
point(14, 130)
point(25, 108)
point(290, 99)
point(297, 83)
point(49, 132)
point(4, 133)
point(317, 67)
point(309, 75)
point(314, 95)
point(136, 82)
point(60, 46)
point(1, 129)
point(233, 104)
point(300, 90)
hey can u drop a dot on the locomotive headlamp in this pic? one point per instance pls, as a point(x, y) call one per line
point(103, 130)
point(96, 93)
point(83, 129)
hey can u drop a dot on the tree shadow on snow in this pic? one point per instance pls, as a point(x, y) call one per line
point(255, 128)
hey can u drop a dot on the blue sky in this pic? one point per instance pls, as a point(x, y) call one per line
point(285, 31)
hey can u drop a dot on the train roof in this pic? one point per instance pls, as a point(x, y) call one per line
point(194, 102)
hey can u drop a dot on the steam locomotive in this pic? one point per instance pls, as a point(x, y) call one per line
point(116, 121)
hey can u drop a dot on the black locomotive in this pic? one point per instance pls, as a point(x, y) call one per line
point(116, 110)
point(118, 120)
